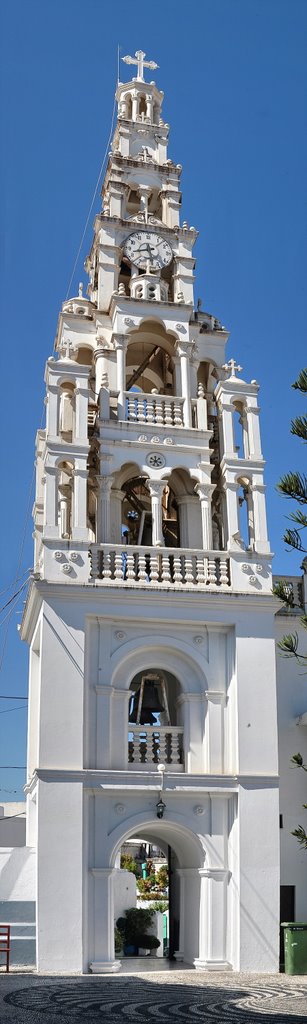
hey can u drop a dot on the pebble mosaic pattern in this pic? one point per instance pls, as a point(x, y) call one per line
point(164, 999)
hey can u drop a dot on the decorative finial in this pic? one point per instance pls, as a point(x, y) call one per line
point(80, 290)
point(233, 366)
point(138, 59)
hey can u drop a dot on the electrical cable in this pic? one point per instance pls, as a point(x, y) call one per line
point(6, 696)
point(93, 199)
point(17, 592)
point(8, 817)
point(6, 710)
point(13, 584)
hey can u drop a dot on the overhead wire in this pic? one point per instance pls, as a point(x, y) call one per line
point(94, 193)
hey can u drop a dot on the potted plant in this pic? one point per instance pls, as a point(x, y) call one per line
point(147, 943)
point(133, 927)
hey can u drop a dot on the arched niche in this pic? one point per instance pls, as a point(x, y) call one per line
point(149, 359)
point(65, 483)
point(246, 511)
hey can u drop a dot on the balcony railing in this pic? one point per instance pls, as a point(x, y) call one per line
point(127, 565)
point(152, 744)
point(164, 411)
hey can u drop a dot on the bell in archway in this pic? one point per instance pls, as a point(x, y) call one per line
point(146, 702)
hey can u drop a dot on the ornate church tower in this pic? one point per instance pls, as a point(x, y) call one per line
point(150, 615)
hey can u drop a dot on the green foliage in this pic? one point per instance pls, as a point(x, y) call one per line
point(301, 383)
point(128, 863)
point(135, 923)
point(162, 877)
point(148, 941)
point(118, 940)
point(160, 905)
point(294, 485)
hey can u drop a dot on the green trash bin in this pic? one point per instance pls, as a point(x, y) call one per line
point(295, 947)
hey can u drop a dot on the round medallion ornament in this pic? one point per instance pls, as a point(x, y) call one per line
point(155, 460)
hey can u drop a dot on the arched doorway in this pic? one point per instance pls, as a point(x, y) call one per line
point(189, 875)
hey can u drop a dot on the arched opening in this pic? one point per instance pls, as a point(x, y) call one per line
point(67, 411)
point(246, 512)
point(142, 107)
point(137, 516)
point(84, 356)
point(149, 362)
point(146, 899)
point(173, 844)
point(65, 498)
point(155, 729)
point(240, 430)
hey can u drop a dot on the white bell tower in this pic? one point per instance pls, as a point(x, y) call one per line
point(152, 562)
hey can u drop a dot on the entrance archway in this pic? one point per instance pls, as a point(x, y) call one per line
point(187, 858)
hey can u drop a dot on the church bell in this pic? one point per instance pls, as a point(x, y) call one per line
point(148, 701)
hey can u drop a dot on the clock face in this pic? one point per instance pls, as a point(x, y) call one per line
point(143, 247)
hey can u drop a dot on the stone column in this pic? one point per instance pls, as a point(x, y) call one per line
point(156, 488)
point(103, 509)
point(116, 498)
point(52, 406)
point(184, 352)
point(212, 919)
point(101, 355)
point(149, 106)
point(80, 418)
point(51, 527)
point(104, 922)
point(227, 410)
point(205, 492)
point(119, 729)
point(214, 732)
point(233, 526)
point(193, 730)
point(103, 726)
point(253, 428)
point(134, 106)
point(79, 529)
point(121, 347)
point(260, 521)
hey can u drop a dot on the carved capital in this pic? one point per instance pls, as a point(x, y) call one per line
point(105, 484)
point(120, 341)
point(156, 487)
point(204, 491)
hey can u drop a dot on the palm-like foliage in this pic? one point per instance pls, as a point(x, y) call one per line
point(294, 485)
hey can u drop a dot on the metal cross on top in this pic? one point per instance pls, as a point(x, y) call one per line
point(138, 59)
point(233, 366)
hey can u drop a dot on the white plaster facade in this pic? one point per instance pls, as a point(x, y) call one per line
point(143, 564)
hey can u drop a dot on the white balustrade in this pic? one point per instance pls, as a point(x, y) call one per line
point(151, 744)
point(174, 568)
point(164, 410)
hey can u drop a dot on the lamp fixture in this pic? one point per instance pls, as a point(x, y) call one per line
point(160, 807)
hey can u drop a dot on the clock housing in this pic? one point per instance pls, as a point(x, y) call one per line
point(148, 247)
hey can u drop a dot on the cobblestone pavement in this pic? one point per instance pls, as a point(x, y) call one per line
point(158, 998)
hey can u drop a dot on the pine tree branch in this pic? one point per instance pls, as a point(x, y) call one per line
point(294, 485)
point(301, 383)
point(299, 427)
point(301, 836)
point(294, 540)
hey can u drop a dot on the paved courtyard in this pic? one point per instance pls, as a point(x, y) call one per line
point(153, 998)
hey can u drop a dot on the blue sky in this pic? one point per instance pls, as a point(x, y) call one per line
point(234, 74)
